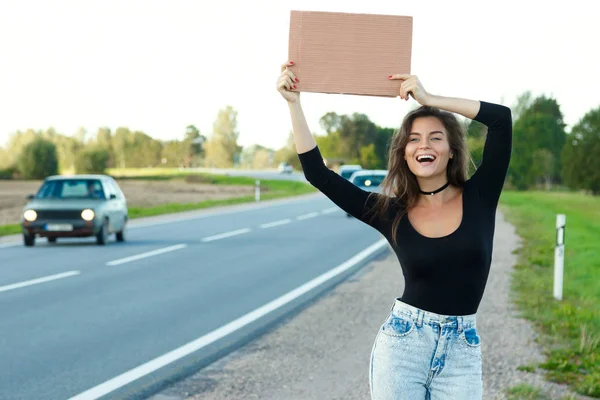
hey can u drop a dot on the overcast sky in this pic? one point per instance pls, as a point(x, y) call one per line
point(158, 66)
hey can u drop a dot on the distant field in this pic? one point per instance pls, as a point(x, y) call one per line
point(571, 327)
point(153, 192)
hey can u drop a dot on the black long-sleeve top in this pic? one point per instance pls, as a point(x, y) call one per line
point(445, 275)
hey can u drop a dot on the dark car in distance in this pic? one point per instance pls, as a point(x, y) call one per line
point(75, 206)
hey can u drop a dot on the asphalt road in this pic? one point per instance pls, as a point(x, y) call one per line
point(84, 321)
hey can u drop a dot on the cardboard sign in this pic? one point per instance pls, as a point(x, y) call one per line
point(348, 53)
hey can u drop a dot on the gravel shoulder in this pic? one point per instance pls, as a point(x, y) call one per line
point(323, 351)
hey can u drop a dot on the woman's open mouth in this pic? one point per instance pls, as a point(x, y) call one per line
point(426, 159)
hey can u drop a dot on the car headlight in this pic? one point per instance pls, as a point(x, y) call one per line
point(30, 215)
point(88, 214)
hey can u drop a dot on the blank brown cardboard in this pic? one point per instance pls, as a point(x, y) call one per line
point(347, 53)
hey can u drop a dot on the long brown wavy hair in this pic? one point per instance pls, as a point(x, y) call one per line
point(400, 186)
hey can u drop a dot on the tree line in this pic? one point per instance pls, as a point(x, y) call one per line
point(544, 153)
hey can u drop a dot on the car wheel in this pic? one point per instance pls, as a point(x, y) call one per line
point(102, 235)
point(121, 236)
point(51, 239)
point(28, 240)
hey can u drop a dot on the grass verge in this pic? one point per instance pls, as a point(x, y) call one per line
point(12, 229)
point(137, 212)
point(570, 328)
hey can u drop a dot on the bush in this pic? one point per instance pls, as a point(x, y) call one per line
point(38, 160)
point(9, 173)
point(92, 161)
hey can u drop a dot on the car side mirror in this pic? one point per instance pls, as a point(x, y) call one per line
point(113, 196)
point(30, 197)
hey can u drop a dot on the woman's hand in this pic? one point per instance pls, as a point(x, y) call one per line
point(412, 86)
point(286, 83)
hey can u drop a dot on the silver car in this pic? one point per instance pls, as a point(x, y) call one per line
point(368, 179)
point(75, 206)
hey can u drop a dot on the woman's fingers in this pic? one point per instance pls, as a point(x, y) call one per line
point(400, 76)
point(285, 82)
point(286, 64)
point(405, 88)
point(288, 81)
point(291, 75)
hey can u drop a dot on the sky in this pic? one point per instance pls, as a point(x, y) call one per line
point(158, 66)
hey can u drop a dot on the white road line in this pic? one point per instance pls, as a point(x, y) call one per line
point(226, 235)
point(147, 254)
point(330, 210)
point(203, 341)
point(307, 216)
point(38, 280)
point(276, 223)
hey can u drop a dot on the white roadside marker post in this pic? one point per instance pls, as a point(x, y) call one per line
point(257, 191)
point(559, 256)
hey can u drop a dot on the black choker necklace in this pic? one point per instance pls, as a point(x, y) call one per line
point(435, 191)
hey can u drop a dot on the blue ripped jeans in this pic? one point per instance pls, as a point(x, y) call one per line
point(422, 355)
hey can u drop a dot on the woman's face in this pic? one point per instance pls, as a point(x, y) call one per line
point(428, 149)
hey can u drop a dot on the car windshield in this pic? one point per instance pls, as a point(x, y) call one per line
point(348, 173)
point(71, 189)
point(368, 180)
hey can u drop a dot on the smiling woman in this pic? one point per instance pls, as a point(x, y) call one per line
point(441, 227)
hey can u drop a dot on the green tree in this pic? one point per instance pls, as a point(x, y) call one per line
point(67, 148)
point(193, 145)
point(143, 151)
point(120, 142)
point(543, 167)
point(39, 159)
point(255, 156)
point(538, 127)
point(581, 154)
point(17, 142)
point(369, 158)
point(355, 132)
point(353, 139)
point(331, 122)
point(330, 145)
point(222, 149)
point(476, 130)
point(382, 145)
point(104, 139)
point(92, 161)
point(172, 154)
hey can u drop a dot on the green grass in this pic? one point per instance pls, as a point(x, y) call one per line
point(269, 190)
point(571, 327)
point(526, 368)
point(525, 391)
point(10, 229)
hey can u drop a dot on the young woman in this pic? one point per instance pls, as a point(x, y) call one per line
point(441, 226)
